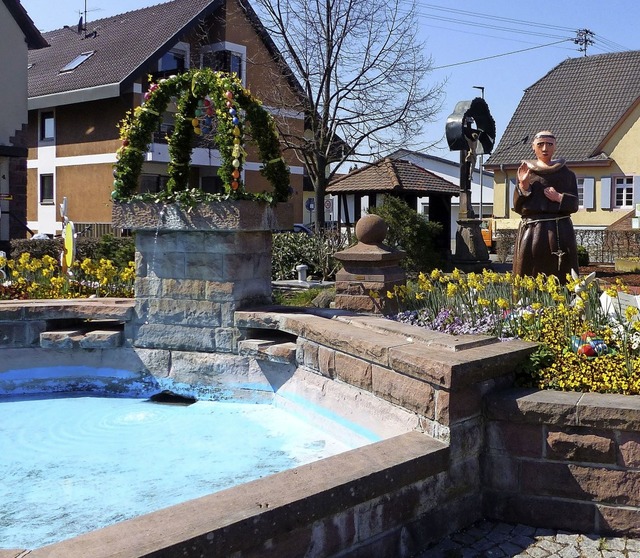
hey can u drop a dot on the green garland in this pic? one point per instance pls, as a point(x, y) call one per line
point(220, 97)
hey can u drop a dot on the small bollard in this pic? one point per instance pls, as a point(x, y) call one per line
point(302, 272)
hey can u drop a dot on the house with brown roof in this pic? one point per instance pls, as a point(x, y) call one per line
point(592, 104)
point(18, 35)
point(366, 187)
point(82, 86)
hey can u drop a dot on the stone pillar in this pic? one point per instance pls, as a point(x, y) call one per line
point(370, 269)
point(196, 267)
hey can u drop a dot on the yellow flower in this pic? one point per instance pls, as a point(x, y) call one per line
point(612, 291)
point(452, 289)
point(502, 303)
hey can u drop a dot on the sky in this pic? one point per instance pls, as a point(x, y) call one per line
point(504, 46)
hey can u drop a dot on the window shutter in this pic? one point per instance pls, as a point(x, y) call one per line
point(636, 190)
point(588, 190)
point(605, 192)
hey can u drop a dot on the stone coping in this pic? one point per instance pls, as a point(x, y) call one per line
point(237, 215)
point(566, 408)
point(453, 362)
point(77, 308)
point(265, 508)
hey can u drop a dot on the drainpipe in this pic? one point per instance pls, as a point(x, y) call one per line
point(506, 187)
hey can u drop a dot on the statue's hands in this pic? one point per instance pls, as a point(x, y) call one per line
point(552, 194)
point(523, 176)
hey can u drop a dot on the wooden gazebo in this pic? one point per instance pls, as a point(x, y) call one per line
point(400, 178)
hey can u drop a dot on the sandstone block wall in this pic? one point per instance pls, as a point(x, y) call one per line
point(564, 460)
point(189, 284)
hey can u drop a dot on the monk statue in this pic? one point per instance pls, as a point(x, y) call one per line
point(546, 195)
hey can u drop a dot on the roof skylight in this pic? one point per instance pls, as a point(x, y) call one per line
point(77, 61)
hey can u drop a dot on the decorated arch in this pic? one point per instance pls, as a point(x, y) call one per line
point(211, 103)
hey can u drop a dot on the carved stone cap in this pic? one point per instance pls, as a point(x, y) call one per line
point(371, 229)
point(370, 232)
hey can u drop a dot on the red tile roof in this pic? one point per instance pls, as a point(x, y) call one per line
point(392, 175)
point(582, 100)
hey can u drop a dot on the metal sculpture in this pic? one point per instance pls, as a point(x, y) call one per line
point(471, 130)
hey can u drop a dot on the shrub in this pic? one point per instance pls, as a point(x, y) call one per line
point(120, 251)
point(583, 256)
point(315, 251)
point(412, 233)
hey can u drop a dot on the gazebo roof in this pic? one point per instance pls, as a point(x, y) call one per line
point(392, 176)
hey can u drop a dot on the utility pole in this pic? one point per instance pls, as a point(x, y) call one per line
point(583, 38)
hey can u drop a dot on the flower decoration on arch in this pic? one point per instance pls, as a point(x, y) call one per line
point(210, 103)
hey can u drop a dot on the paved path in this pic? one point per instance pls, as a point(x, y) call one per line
point(488, 539)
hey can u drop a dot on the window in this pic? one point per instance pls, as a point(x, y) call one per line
point(47, 125)
point(624, 191)
point(77, 61)
point(234, 64)
point(46, 189)
point(172, 62)
point(224, 61)
point(212, 184)
point(152, 183)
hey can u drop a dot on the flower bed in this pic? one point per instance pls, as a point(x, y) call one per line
point(43, 278)
point(589, 338)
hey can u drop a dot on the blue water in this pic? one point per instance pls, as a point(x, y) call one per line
point(69, 465)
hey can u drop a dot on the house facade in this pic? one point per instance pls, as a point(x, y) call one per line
point(82, 86)
point(592, 104)
point(18, 34)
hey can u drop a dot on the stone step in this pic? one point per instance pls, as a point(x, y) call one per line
point(269, 349)
point(81, 338)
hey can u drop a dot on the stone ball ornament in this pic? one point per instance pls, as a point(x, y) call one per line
point(470, 122)
point(371, 229)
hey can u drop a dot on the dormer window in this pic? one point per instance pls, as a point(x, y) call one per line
point(225, 57)
point(173, 62)
point(77, 61)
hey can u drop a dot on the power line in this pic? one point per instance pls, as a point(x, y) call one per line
point(500, 55)
point(494, 18)
point(600, 43)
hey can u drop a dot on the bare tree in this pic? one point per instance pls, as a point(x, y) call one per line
point(360, 70)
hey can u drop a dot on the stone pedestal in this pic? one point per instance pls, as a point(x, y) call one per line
point(196, 267)
point(471, 251)
point(370, 270)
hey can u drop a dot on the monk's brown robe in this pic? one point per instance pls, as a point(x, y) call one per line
point(546, 241)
